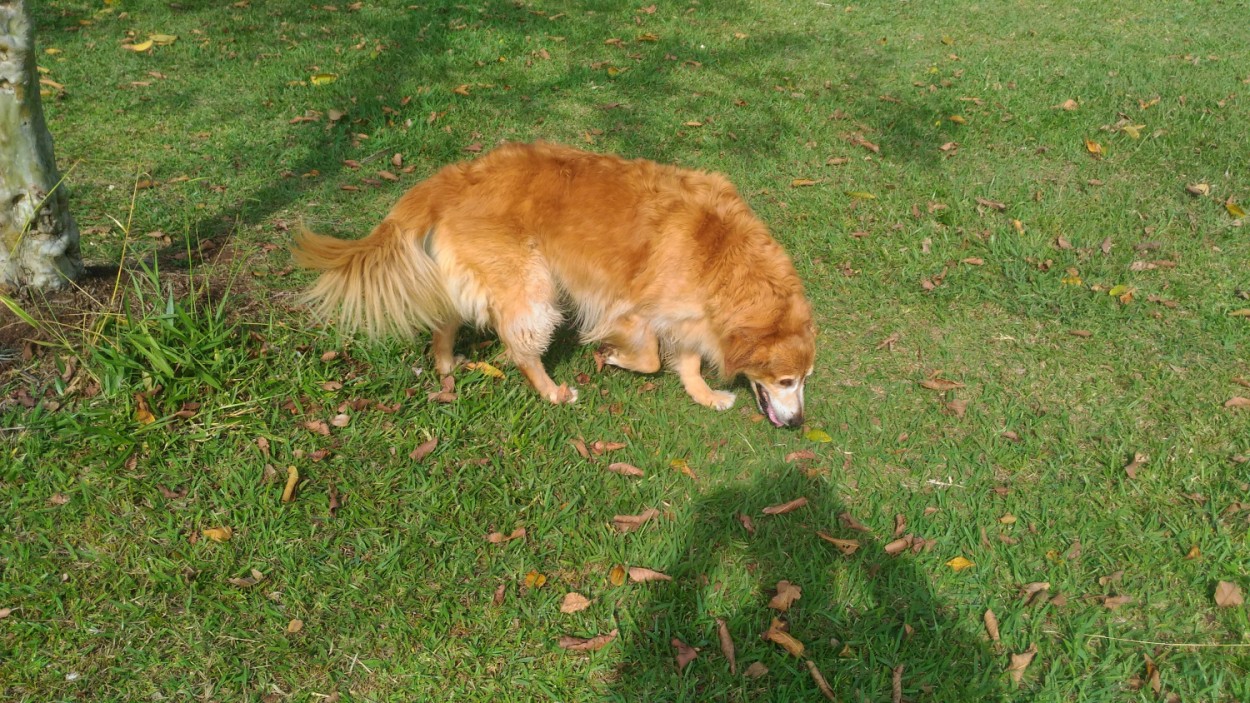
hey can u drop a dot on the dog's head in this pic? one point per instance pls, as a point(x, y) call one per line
point(776, 361)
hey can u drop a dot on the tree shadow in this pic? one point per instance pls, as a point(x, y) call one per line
point(860, 616)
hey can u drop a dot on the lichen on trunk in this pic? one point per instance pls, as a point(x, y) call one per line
point(38, 236)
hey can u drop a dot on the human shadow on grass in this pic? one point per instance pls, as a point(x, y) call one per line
point(860, 616)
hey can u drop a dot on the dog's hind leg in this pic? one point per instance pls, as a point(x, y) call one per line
point(525, 323)
point(632, 345)
point(443, 347)
point(689, 365)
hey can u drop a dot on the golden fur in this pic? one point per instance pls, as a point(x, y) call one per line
point(651, 260)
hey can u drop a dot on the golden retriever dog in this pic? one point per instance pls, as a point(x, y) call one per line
point(651, 261)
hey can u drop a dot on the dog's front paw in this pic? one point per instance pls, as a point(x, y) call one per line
point(721, 400)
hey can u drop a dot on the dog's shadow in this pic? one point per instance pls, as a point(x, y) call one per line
point(860, 616)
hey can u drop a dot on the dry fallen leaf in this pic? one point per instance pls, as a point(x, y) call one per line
point(1094, 148)
point(683, 466)
point(1019, 662)
point(1139, 460)
point(292, 478)
point(294, 626)
point(1068, 105)
point(423, 450)
point(1031, 592)
point(1193, 553)
point(1227, 595)
point(940, 384)
point(846, 546)
point(755, 670)
point(747, 523)
point(800, 182)
point(806, 454)
point(629, 523)
point(248, 581)
point(641, 574)
point(726, 644)
point(1198, 189)
point(500, 538)
point(848, 521)
point(624, 469)
point(991, 625)
point(777, 634)
point(787, 593)
point(218, 534)
point(534, 579)
point(783, 508)
point(1237, 402)
point(617, 576)
point(5, 612)
point(574, 602)
point(959, 564)
point(685, 653)
point(582, 644)
point(819, 678)
point(1113, 602)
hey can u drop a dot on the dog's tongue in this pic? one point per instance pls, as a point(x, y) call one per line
point(772, 416)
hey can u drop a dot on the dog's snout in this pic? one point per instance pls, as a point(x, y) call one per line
point(796, 421)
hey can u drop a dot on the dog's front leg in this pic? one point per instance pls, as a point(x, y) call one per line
point(534, 372)
point(689, 369)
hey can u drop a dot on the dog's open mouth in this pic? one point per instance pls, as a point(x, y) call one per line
point(761, 399)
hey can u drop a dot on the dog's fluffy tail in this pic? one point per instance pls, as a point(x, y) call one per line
point(386, 283)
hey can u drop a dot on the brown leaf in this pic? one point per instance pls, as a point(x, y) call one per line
point(992, 204)
point(294, 626)
point(940, 384)
point(318, 427)
point(1113, 602)
point(783, 508)
point(624, 469)
point(900, 524)
point(896, 685)
point(685, 653)
point(582, 644)
point(1085, 334)
point(58, 499)
point(755, 670)
point(1032, 592)
point(1227, 594)
point(423, 450)
point(248, 581)
point(1106, 245)
point(1237, 402)
point(802, 454)
point(846, 546)
point(580, 445)
point(1139, 460)
point(991, 625)
point(263, 445)
point(683, 466)
point(958, 407)
point(599, 447)
point(1110, 578)
point(851, 523)
point(821, 683)
point(500, 592)
point(462, 89)
point(777, 634)
point(629, 523)
point(1193, 553)
point(973, 261)
point(787, 593)
point(500, 538)
point(1019, 662)
point(574, 602)
point(747, 523)
point(726, 644)
point(171, 494)
point(1068, 105)
point(898, 546)
point(641, 574)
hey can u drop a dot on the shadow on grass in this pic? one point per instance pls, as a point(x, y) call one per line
point(860, 616)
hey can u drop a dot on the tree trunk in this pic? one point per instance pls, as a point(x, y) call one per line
point(38, 236)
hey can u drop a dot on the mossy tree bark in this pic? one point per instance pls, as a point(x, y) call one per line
point(38, 236)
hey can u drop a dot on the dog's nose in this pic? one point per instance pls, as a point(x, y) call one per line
point(796, 421)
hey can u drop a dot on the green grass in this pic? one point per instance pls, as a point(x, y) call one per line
point(112, 601)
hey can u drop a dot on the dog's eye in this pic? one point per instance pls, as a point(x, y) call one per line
point(786, 382)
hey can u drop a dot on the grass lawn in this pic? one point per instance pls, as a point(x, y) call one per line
point(990, 194)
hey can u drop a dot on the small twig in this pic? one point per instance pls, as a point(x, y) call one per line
point(15, 428)
point(944, 484)
point(1212, 645)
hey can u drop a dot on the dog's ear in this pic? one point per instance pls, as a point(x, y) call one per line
point(740, 347)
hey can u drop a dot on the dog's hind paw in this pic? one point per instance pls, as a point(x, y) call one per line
point(722, 400)
point(564, 395)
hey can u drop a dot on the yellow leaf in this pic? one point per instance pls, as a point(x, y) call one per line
point(162, 39)
point(683, 466)
point(1094, 148)
point(947, 39)
point(51, 51)
point(485, 368)
point(1133, 130)
point(957, 119)
point(614, 71)
point(462, 89)
point(1117, 290)
point(140, 47)
point(218, 534)
point(1073, 278)
point(800, 182)
point(818, 436)
point(535, 580)
point(617, 575)
point(294, 626)
point(647, 37)
point(1244, 312)
point(292, 478)
point(693, 123)
point(323, 78)
point(959, 564)
point(1234, 209)
point(143, 415)
point(861, 195)
point(1018, 225)
point(1007, 519)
